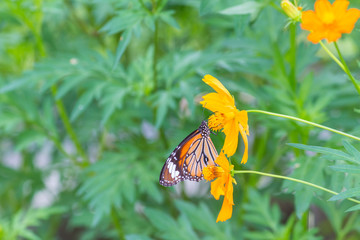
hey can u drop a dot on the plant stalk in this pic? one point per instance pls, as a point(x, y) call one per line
point(116, 221)
point(65, 119)
point(293, 180)
point(346, 69)
point(306, 122)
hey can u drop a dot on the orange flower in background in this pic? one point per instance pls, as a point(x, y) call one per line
point(226, 117)
point(222, 185)
point(329, 21)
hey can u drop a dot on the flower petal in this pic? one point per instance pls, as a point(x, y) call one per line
point(332, 36)
point(223, 162)
point(347, 23)
point(316, 37)
point(218, 87)
point(244, 137)
point(231, 130)
point(225, 212)
point(339, 7)
point(215, 102)
point(323, 10)
point(217, 188)
point(229, 190)
point(310, 21)
point(329, 21)
point(227, 206)
point(242, 118)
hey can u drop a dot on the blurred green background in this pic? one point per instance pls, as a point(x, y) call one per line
point(94, 96)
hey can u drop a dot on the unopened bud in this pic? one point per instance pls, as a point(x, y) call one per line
point(292, 11)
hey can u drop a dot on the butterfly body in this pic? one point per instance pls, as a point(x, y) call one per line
point(188, 159)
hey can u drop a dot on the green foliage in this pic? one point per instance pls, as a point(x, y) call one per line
point(192, 219)
point(94, 95)
point(18, 225)
point(351, 158)
point(267, 219)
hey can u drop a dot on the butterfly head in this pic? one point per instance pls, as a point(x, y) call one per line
point(204, 129)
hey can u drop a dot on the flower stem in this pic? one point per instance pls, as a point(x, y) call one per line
point(346, 69)
point(294, 180)
point(65, 119)
point(156, 43)
point(332, 55)
point(292, 75)
point(116, 221)
point(306, 122)
point(59, 104)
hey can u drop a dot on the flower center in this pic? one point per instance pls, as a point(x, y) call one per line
point(217, 121)
point(212, 172)
point(328, 18)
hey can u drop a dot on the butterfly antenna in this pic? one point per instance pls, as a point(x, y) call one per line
point(207, 120)
point(204, 112)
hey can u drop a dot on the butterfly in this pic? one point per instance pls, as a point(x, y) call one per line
point(189, 158)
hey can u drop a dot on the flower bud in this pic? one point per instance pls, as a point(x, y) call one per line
point(292, 11)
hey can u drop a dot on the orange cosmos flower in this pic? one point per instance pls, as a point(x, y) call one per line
point(222, 185)
point(226, 117)
point(329, 21)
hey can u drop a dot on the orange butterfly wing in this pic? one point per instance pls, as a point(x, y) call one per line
point(189, 158)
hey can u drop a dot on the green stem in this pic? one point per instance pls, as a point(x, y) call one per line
point(276, 6)
point(346, 69)
point(306, 122)
point(332, 55)
point(102, 143)
point(59, 146)
point(65, 119)
point(36, 30)
point(293, 180)
point(156, 43)
point(144, 6)
point(116, 222)
point(164, 139)
point(40, 45)
point(73, 15)
point(292, 75)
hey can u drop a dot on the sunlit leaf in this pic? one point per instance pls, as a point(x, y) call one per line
point(244, 8)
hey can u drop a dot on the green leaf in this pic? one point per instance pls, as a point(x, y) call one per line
point(346, 168)
point(9, 121)
point(354, 208)
point(202, 219)
point(329, 151)
point(352, 150)
point(29, 138)
point(310, 170)
point(13, 85)
point(353, 192)
point(125, 20)
point(23, 222)
point(167, 17)
point(50, 82)
point(136, 237)
point(168, 227)
point(114, 99)
point(68, 84)
point(260, 213)
point(106, 183)
point(303, 199)
point(206, 6)
point(123, 43)
point(248, 7)
point(84, 101)
point(164, 100)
